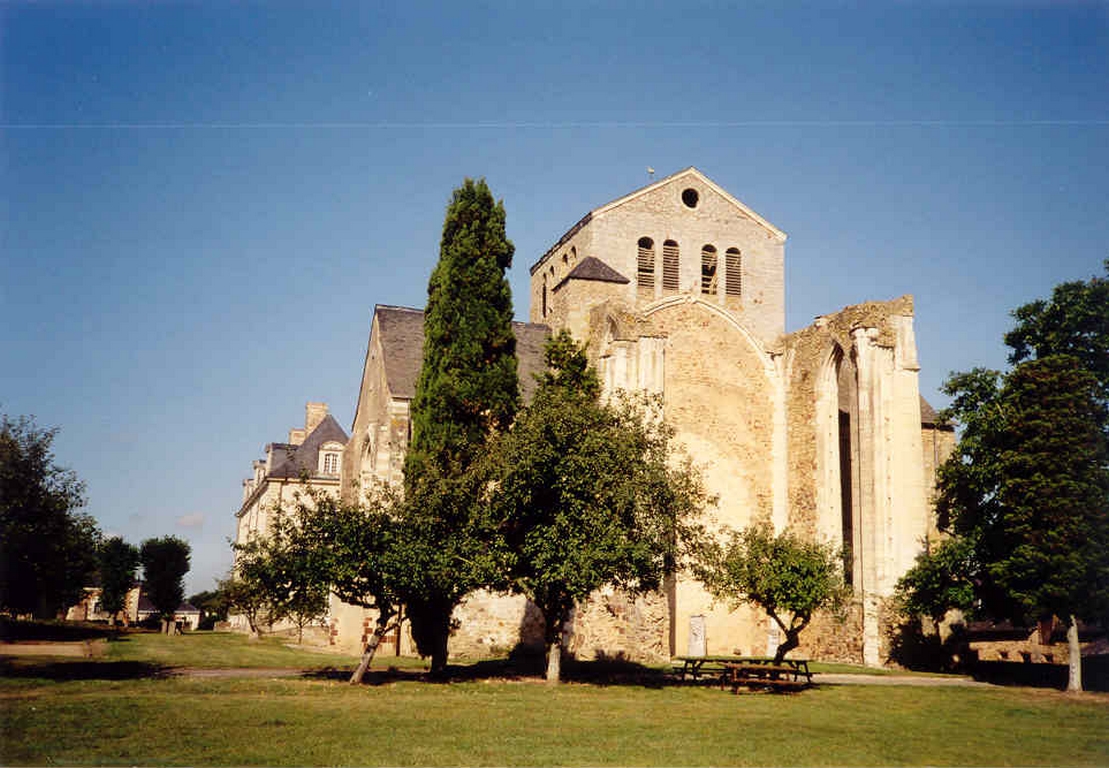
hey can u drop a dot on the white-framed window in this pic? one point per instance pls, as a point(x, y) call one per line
point(331, 454)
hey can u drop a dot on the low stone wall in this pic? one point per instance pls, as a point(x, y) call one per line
point(829, 638)
point(612, 624)
point(492, 624)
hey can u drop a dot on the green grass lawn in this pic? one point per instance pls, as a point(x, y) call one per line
point(320, 722)
point(220, 650)
point(124, 710)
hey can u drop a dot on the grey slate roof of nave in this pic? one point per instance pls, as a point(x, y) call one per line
point(402, 343)
point(402, 339)
point(305, 457)
point(928, 414)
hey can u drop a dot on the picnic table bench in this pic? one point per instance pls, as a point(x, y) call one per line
point(752, 672)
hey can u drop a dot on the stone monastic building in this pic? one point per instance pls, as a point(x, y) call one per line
point(678, 289)
point(311, 458)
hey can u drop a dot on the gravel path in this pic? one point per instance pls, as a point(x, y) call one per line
point(204, 672)
point(827, 678)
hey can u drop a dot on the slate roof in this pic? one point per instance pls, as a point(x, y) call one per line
point(402, 344)
point(145, 606)
point(306, 456)
point(929, 416)
point(592, 268)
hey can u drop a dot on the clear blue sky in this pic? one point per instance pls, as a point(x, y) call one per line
point(200, 203)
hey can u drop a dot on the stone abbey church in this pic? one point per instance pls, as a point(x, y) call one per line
point(677, 289)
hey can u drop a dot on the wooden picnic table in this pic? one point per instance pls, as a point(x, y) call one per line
point(787, 675)
point(750, 671)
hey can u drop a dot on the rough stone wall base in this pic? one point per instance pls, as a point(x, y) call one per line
point(613, 624)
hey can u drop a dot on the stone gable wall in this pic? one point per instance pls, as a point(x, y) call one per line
point(613, 236)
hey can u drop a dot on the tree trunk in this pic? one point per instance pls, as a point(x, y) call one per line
point(554, 660)
point(793, 638)
point(439, 655)
point(1074, 657)
point(374, 640)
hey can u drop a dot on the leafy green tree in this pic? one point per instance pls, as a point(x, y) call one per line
point(587, 496)
point(788, 577)
point(47, 548)
point(165, 561)
point(1074, 322)
point(250, 587)
point(1029, 485)
point(941, 579)
point(118, 562)
point(367, 562)
point(298, 568)
point(213, 605)
point(466, 391)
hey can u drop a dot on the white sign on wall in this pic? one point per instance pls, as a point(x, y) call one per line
point(697, 644)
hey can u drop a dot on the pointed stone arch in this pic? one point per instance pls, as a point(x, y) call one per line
point(837, 454)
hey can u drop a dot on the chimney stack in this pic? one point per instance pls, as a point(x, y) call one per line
point(314, 413)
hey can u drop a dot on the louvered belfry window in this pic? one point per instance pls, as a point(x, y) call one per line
point(670, 266)
point(733, 278)
point(708, 270)
point(645, 271)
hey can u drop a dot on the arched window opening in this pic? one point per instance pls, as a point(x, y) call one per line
point(708, 270)
point(670, 281)
point(544, 297)
point(645, 269)
point(733, 277)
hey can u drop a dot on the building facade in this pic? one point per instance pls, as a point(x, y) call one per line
point(311, 459)
point(678, 289)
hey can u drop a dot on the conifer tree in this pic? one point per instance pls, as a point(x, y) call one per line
point(467, 390)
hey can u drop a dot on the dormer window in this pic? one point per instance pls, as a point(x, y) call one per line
point(331, 454)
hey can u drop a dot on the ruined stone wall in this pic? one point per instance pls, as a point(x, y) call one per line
point(808, 356)
point(829, 638)
point(613, 624)
point(492, 624)
point(719, 399)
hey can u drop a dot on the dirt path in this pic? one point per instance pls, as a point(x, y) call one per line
point(84, 649)
point(828, 678)
point(205, 672)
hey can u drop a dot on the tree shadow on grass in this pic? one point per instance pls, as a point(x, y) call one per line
point(52, 631)
point(518, 668)
point(81, 669)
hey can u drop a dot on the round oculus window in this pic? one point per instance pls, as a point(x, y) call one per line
point(690, 197)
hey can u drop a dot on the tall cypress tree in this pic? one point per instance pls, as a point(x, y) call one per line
point(466, 392)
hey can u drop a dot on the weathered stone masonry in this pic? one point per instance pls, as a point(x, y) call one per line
point(677, 289)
